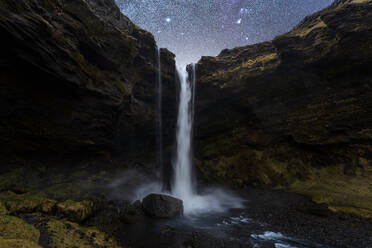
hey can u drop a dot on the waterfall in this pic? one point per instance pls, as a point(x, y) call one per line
point(159, 124)
point(211, 199)
point(182, 184)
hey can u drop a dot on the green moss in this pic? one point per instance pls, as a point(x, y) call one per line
point(349, 194)
point(63, 191)
point(226, 159)
point(249, 167)
point(68, 234)
point(7, 180)
point(17, 243)
point(120, 86)
point(60, 38)
point(3, 209)
point(27, 203)
point(250, 67)
point(99, 77)
point(14, 228)
point(364, 213)
point(76, 211)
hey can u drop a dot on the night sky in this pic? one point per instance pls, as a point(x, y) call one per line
point(194, 28)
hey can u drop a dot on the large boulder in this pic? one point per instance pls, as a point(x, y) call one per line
point(162, 206)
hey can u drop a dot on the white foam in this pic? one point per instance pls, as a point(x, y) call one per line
point(278, 245)
point(278, 238)
point(241, 219)
point(271, 236)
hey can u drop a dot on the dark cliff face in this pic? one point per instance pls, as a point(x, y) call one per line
point(294, 112)
point(78, 76)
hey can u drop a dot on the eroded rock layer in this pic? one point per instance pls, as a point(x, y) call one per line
point(294, 112)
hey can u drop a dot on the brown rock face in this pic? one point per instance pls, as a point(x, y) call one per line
point(294, 112)
point(78, 76)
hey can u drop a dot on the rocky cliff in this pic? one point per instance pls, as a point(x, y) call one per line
point(78, 105)
point(78, 76)
point(294, 112)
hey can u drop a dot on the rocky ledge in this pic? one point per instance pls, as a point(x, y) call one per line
point(295, 112)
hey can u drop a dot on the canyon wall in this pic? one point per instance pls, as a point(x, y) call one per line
point(294, 113)
point(78, 77)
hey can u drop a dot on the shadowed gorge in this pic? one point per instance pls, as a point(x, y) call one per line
point(106, 143)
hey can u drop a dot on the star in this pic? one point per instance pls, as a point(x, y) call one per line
point(194, 28)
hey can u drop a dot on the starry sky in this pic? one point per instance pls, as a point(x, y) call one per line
point(195, 28)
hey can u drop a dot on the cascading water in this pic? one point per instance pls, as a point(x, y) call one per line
point(182, 185)
point(159, 124)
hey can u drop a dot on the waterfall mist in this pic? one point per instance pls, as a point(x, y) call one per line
point(183, 182)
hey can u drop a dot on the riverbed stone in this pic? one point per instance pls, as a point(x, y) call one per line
point(162, 206)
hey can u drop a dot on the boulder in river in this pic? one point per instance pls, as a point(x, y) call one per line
point(162, 206)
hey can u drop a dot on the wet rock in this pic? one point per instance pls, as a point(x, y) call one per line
point(162, 206)
point(130, 213)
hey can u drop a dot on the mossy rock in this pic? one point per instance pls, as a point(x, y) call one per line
point(15, 228)
point(76, 211)
point(17, 243)
point(246, 166)
point(343, 193)
point(63, 191)
point(21, 179)
point(283, 167)
point(67, 234)
point(9, 179)
point(27, 203)
point(3, 209)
